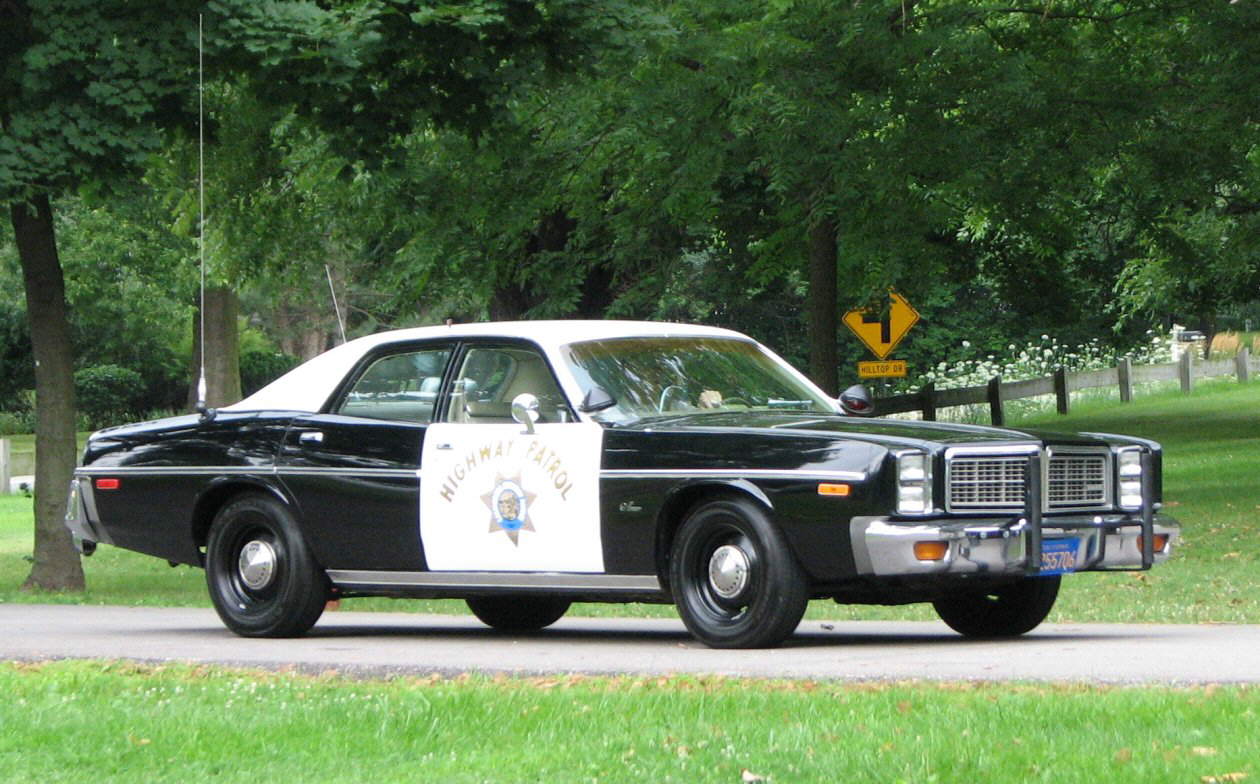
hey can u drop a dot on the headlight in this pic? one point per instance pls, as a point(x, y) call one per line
point(914, 483)
point(1129, 469)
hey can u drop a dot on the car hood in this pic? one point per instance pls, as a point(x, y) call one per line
point(866, 429)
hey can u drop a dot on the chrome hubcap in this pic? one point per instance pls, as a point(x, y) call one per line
point(257, 564)
point(728, 571)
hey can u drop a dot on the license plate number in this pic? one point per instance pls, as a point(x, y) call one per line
point(1058, 556)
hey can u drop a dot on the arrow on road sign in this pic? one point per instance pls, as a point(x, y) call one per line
point(882, 333)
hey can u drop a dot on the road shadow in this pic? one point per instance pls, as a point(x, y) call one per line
point(617, 632)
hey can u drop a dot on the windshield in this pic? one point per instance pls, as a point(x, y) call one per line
point(667, 376)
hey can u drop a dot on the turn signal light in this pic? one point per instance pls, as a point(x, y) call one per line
point(830, 489)
point(1160, 542)
point(931, 551)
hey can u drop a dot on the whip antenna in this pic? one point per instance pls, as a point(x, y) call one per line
point(340, 321)
point(201, 212)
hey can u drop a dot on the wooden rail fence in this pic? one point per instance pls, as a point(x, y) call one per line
point(1062, 384)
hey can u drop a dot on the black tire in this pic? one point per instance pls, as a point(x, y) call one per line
point(734, 579)
point(253, 600)
point(518, 613)
point(1007, 611)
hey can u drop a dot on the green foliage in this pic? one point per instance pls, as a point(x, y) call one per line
point(261, 367)
point(108, 394)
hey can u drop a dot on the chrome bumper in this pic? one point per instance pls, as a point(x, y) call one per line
point(80, 512)
point(883, 547)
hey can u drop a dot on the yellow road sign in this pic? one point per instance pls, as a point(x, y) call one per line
point(881, 334)
point(891, 368)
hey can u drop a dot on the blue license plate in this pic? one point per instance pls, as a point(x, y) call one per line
point(1058, 556)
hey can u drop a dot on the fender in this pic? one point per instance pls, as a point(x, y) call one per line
point(219, 489)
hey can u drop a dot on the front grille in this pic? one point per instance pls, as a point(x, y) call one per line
point(996, 482)
point(1077, 481)
point(987, 482)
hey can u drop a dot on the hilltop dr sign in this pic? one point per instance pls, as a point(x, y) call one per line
point(882, 334)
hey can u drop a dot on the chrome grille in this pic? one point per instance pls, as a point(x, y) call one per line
point(1073, 480)
point(987, 482)
point(1077, 480)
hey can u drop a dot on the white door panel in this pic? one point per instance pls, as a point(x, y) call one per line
point(493, 498)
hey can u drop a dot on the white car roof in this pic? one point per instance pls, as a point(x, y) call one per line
point(308, 386)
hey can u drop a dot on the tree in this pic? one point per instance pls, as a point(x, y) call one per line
point(87, 91)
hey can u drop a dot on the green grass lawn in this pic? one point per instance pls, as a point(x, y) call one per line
point(117, 722)
point(1211, 483)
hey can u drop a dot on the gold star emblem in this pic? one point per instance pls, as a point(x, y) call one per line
point(509, 504)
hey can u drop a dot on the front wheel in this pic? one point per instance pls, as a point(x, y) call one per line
point(262, 578)
point(1008, 611)
point(734, 579)
point(518, 613)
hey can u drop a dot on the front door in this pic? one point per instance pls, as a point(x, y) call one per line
point(498, 498)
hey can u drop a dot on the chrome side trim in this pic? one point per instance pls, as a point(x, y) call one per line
point(403, 473)
point(506, 580)
point(174, 470)
point(406, 473)
point(730, 473)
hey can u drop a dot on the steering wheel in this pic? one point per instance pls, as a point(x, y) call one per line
point(672, 389)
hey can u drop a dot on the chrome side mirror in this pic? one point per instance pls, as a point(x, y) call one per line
point(526, 411)
point(856, 401)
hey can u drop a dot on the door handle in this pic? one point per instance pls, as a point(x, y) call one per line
point(444, 445)
point(312, 438)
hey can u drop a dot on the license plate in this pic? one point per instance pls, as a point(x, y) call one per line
point(1058, 556)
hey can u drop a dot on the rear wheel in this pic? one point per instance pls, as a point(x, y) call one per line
point(1008, 611)
point(734, 579)
point(262, 578)
point(518, 613)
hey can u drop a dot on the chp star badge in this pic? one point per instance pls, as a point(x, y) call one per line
point(509, 505)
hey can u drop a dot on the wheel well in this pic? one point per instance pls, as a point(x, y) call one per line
point(215, 498)
point(679, 505)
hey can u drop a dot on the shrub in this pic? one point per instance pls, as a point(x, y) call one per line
point(108, 394)
point(14, 423)
point(260, 368)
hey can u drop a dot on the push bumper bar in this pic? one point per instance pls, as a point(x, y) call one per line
point(1015, 546)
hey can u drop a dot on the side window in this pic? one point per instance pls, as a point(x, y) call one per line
point(489, 378)
point(401, 387)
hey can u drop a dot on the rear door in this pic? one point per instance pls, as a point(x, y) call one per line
point(354, 470)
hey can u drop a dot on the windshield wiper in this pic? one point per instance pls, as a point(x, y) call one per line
point(805, 404)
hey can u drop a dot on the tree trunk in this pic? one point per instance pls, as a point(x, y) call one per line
point(821, 306)
point(57, 566)
point(222, 347)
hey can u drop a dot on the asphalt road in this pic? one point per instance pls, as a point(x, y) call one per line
point(377, 644)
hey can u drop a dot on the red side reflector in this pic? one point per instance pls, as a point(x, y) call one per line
point(106, 484)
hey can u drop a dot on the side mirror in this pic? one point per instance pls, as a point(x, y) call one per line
point(856, 401)
point(596, 399)
point(525, 410)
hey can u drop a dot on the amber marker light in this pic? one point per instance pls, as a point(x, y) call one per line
point(931, 551)
point(833, 489)
point(1160, 542)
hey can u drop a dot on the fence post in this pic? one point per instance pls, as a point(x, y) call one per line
point(1242, 361)
point(5, 466)
point(927, 397)
point(1061, 390)
point(995, 402)
point(1124, 371)
point(1183, 371)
